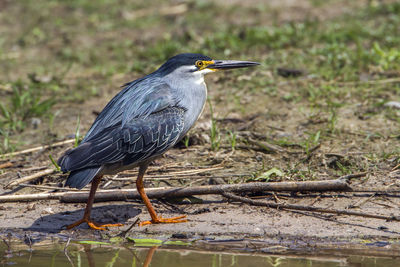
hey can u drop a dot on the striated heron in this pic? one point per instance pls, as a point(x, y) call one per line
point(148, 117)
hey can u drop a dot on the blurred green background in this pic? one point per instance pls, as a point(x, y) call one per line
point(61, 59)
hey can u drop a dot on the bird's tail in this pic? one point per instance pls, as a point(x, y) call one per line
point(80, 178)
point(73, 161)
point(63, 161)
point(75, 158)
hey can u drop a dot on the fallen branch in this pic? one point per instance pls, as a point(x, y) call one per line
point(306, 208)
point(124, 194)
point(31, 197)
point(58, 195)
point(114, 195)
point(266, 146)
point(34, 149)
point(30, 177)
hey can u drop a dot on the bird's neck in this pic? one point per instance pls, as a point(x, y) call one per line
point(192, 97)
point(194, 102)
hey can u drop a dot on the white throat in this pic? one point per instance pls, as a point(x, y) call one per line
point(191, 90)
point(200, 75)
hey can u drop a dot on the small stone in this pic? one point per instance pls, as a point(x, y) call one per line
point(48, 211)
point(257, 229)
point(186, 201)
point(179, 236)
point(31, 206)
point(393, 104)
point(35, 122)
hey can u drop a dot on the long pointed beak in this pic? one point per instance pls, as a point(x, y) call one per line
point(231, 64)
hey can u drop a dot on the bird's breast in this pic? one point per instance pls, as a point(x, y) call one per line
point(193, 101)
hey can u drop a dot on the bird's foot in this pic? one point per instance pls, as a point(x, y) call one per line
point(92, 224)
point(178, 219)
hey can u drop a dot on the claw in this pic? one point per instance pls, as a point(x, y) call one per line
point(178, 219)
point(86, 215)
point(145, 198)
point(93, 224)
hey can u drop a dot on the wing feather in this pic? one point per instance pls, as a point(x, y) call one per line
point(138, 99)
point(136, 141)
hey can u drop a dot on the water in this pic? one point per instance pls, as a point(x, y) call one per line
point(54, 254)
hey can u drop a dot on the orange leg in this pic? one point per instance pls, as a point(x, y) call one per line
point(149, 256)
point(86, 215)
point(153, 214)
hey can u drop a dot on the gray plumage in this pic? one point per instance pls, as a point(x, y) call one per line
point(148, 117)
point(145, 119)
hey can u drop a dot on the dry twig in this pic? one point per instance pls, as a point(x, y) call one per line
point(47, 187)
point(352, 176)
point(170, 175)
point(30, 177)
point(307, 208)
point(266, 146)
point(34, 149)
point(360, 202)
point(31, 169)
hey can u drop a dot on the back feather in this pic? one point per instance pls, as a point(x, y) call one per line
point(122, 130)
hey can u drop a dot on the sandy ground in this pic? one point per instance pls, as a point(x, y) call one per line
point(213, 218)
point(216, 219)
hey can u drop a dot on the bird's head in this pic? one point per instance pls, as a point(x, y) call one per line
point(196, 65)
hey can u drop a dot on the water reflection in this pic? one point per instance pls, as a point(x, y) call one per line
point(110, 256)
point(136, 261)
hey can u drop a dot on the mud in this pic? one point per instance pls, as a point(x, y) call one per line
point(238, 225)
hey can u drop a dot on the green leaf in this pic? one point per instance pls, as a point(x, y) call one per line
point(43, 106)
point(144, 242)
point(90, 242)
point(316, 137)
point(270, 173)
point(116, 239)
point(4, 111)
point(54, 163)
point(77, 135)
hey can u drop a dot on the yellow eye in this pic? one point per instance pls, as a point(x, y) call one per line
point(199, 64)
